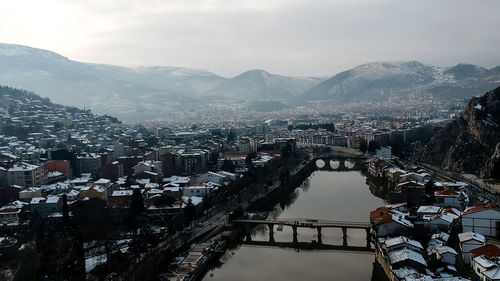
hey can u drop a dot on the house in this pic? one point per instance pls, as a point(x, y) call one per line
point(387, 222)
point(147, 166)
point(10, 213)
point(441, 236)
point(444, 254)
point(172, 190)
point(393, 244)
point(376, 167)
point(481, 264)
point(211, 177)
point(447, 198)
point(442, 222)
point(411, 192)
point(181, 181)
point(483, 219)
point(416, 177)
point(46, 206)
point(488, 250)
point(407, 258)
point(199, 190)
point(93, 192)
point(492, 274)
point(427, 212)
point(27, 194)
point(468, 242)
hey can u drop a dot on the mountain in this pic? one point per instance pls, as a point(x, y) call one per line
point(174, 93)
point(472, 142)
point(259, 85)
point(379, 80)
point(129, 93)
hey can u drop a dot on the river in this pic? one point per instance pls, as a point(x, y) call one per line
point(323, 195)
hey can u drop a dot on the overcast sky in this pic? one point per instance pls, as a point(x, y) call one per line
point(290, 37)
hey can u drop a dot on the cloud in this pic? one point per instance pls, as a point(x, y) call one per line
point(293, 37)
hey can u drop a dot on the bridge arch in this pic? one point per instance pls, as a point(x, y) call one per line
point(320, 163)
point(335, 164)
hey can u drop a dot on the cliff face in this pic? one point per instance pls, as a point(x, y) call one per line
point(472, 143)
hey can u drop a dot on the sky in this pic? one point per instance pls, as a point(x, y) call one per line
point(228, 37)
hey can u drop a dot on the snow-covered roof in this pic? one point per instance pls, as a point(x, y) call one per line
point(102, 181)
point(485, 262)
point(126, 192)
point(52, 199)
point(429, 209)
point(443, 236)
point(402, 240)
point(467, 236)
point(36, 200)
point(492, 274)
point(406, 254)
point(176, 179)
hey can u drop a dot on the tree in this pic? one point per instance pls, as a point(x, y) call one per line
point(228, 166)
point(136, 207)
point(65, 210)
point(429, 192)
point(190, 210)
point(363, 146)
point(290, 127)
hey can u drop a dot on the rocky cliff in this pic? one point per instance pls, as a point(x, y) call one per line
point(471, 143)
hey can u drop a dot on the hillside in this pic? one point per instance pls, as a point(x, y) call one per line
point(379, 80)
point(472, 142)
point(129, 93)
point(256, 85)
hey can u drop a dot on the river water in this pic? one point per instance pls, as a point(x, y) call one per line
point(323, 195)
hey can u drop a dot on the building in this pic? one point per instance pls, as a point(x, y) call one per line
point(468, 242)
point(26, 175)
point(199, 190)
point(46, 206)
point(61, 166)
point(483, 219)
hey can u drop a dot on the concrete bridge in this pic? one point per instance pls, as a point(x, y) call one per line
point(296, 223)
point(309, 246)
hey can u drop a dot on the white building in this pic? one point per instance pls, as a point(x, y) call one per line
point(211, 177)
point(468, 242)
point(147, 166)
point(25, 175)
point(200, 190)
point(30, 192)
point(483, 219)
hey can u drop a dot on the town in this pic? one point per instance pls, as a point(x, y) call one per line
point(113, 195)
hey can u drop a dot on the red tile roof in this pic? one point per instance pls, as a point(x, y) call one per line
point(380, 216)
point(447, 192)
point(480, 208)
point(450, 211)
point(488, 250)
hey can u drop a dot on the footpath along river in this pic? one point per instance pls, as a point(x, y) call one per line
point(323, 195)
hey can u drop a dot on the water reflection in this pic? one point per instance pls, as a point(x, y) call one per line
point(324, 195)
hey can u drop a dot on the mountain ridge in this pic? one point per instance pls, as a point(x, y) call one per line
point(149, 92)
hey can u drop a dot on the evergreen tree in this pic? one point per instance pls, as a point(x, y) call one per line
point(65, 210)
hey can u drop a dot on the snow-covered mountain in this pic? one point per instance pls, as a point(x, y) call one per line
point(260, 85)
point(165, 92)
point(379, 80)
point(129, 93)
